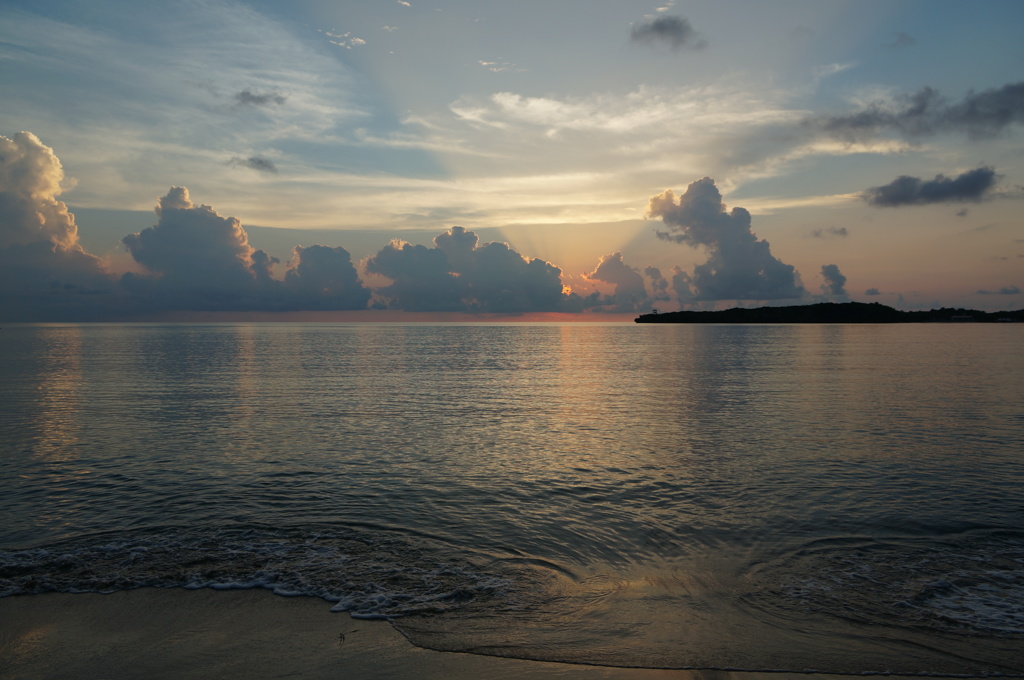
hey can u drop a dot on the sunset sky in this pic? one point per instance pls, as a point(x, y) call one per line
point(508, 157)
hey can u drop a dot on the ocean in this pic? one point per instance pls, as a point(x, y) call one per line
point(835, 498)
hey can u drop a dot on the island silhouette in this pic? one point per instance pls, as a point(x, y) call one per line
point(831, 312)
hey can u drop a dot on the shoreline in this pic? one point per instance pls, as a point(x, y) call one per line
point(177, 633)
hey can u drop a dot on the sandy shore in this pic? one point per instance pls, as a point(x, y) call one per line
point(174, 633)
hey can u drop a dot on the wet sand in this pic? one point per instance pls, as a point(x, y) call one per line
point(175, 633)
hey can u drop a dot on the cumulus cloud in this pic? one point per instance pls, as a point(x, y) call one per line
point(258, 163)
point(630, 294)
point(927, 112)
point(905, 190)
point(460, 274)
point(325, 278)
point(834, 285)
point(739, 266)
point(44, 271)
point(191, 247)
point(250, 98)
point(872, 291)
point(1005, 290)
point(200, 260)
point(674, 31)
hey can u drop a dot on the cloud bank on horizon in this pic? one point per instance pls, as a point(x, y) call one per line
point(194, 259)
point(402, 119)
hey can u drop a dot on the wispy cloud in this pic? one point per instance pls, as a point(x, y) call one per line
point(830, 232)
point(500, 66)
point(250, 98)
point(258, 163)
point(346, 40)
point(166, 101)
point(1005, 290)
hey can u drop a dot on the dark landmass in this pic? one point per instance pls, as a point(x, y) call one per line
point(832, 312)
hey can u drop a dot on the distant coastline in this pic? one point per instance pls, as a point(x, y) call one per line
point(832, 312)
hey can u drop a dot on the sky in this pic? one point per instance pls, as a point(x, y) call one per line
point(569, 158)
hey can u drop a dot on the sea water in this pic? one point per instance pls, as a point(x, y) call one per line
point(839, 498)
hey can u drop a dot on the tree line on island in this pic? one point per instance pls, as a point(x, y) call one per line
point(830, 312)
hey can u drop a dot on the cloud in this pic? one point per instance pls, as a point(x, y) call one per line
point(192, 245)
point(905, 190)
point(258, 163)
point(325, 278)
point(459, 274)
point(834, 286)
point(901, 41)
point(250, 98)
point(346, 40)
point(44, 271)
point(675, 31)
point(872, 292)
point(500, 66)
point(829, 232)
point(1005, 290)
point(659, 284)
point(200, 260)
point(927, 112)
point(739, 265)
point(630, 295)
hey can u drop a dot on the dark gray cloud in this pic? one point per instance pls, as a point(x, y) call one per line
point(901, 41)
point(740, 266)
point(45, 274)
point(927, 112)
point(1005, 290)
point(258, 163)
point(460, 275)
point(325, 278)
point(681, 285)
point(834, 283)
point(905, 190)
point(872, 292)
point(250, 98)
point(676, 32)
point(830, 232)
point(659, 284)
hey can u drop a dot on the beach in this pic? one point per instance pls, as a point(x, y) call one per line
point(178, 633)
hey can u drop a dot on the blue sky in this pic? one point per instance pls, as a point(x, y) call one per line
point(546, 126)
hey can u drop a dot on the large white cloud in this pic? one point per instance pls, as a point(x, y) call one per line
point(44, 271)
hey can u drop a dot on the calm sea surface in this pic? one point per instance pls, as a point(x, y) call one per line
point(839, 498)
